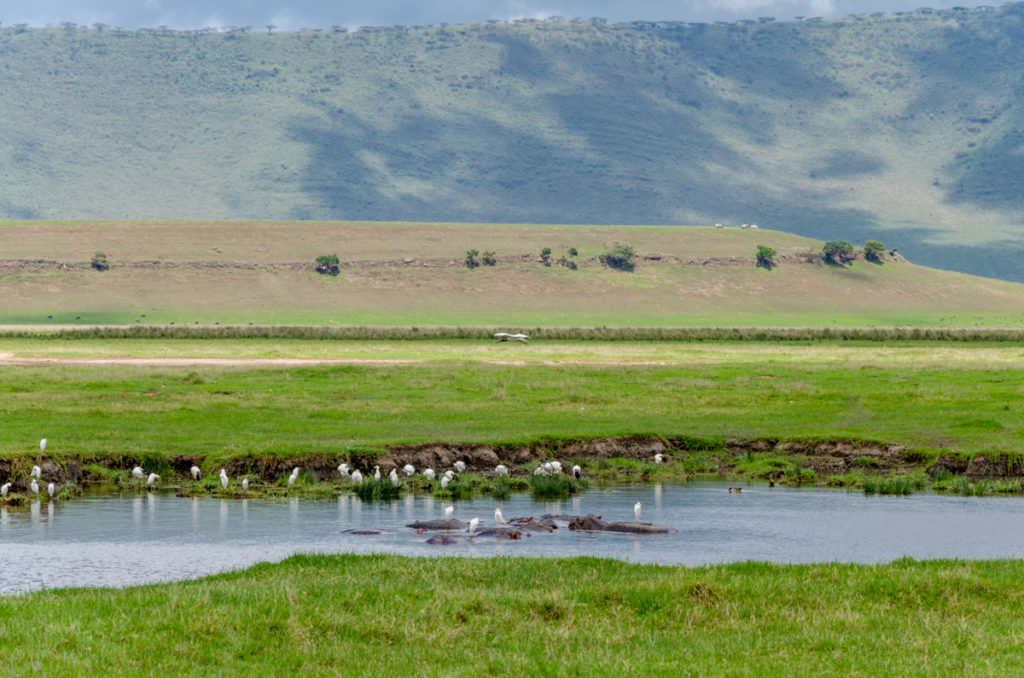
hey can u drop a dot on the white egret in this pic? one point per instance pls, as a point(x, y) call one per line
point(636, 512)
point(34, 486)
point(444, 482)
point(501, 470)
point(577, 472)
point(460, 466)
point(293, 477)
point(295, 471)
point(409, 469)
point(36, 472)
point(137, 472)
point(343, 469)
point(224, 479)
point(548, 467)
point(556, 466)
point(472, 525)
point(429, 474)
point(245, 484)
point(152, 478)
point(376, 472)
point(51, 489)
point(449, 475)
point(393, 476)
point(4, 489)
point(42, 445)
point(357, 477)
point(449, 511)
point(659, 459)
point(196, 473)
point(505, 336)
point(540, 471)
point(498, 518)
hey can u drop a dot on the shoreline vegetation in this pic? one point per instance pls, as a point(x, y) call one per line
point(395, 615)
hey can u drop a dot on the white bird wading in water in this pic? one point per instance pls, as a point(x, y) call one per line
point(636, 512)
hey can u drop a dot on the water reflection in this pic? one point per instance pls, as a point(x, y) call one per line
point(115, 540)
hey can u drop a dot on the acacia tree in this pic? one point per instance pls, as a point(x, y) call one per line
point(327, 264)
point(766, 257)
point(873, 251)
point(837, 251)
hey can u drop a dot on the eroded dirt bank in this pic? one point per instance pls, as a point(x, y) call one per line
point(824, 457)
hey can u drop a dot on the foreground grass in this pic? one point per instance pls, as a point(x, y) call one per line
point(391, 615)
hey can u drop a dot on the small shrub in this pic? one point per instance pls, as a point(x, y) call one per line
point(619, 257)
point(838, 251)
point(327, 264)
point(488, 258)
point(545, 256)
point(766, 257)
point(553, 486)
point(874, 251)
point(573, 252)
point(377, 490)
point(99, 261)
point(471, 258)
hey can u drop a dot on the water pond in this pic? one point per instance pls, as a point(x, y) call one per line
point(105, 540)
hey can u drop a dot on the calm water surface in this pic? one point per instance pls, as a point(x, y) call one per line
point(125, 540)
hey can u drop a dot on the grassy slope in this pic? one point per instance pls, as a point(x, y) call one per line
point(377, 288)
point(399, 616)
point(901, 128)
point(956, 396)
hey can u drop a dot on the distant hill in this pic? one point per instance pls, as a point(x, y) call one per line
point(904, 128)
point(415, 274)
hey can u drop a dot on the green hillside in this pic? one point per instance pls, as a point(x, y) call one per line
point(903, 128)
point(415, 274)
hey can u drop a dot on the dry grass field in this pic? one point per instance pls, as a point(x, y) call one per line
point(413, 273)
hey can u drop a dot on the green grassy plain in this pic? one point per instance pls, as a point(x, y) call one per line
point(390, 615)
point(958, 396)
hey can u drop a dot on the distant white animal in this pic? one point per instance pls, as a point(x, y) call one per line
point(245, 484)
point(753, 226)
point(549, 467)
point(556, 466)
point(460, 467)
point(540, 471)
point(357, 477)
point(498, 518)
point(577, 472)
point(472, 525)
point(137, 472)
point(719, 226)
point(744, 226)
point(450, 475)
point(343, 469)
point(152, 478)
point(224, 479)
point(51, 489)
point(636, 512)
point(429, 474)
point(295, 471)
point(444, 482)
point(501, 470)
point(293, 477)
point(449, 511)
point(34, 486)
point(659, 459)
point(42, 445)
point(376, 472)
point(4, 489)
point(36, 472)
point(394, 477)
point(505, 336)
point(196, 473)
point(409, 469)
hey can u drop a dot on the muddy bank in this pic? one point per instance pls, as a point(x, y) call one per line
point(824, 457)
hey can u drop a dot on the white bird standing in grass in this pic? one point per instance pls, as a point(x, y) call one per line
point(577, 472)
point(429, 474)
point(449, 511)
point(4, 489)
point(51, 489)
point(472, 525)
point(376, 472)
point(501, 470)
point(137, 472)
point(293, 477)
point(505, 336)
point(444, 482)
point(460, 467)
point(659, 459)
point(636, 512)
point(152, 478)
point(196, 473)
point(36, 472)
point(556, 466)
point(449, 475)
point(343, 469)
point(498, 518)
point(409, 469)
point(548, 467)
point(540, 471)
point(245, 484)
point(42, 445)
point(394, 477)
point(224, 479)
point(34, 486)
point(357, 477)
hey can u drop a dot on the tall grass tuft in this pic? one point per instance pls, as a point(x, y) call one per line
point(553, 486)
point(377, 490)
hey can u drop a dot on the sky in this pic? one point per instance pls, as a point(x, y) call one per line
point(296, 14)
